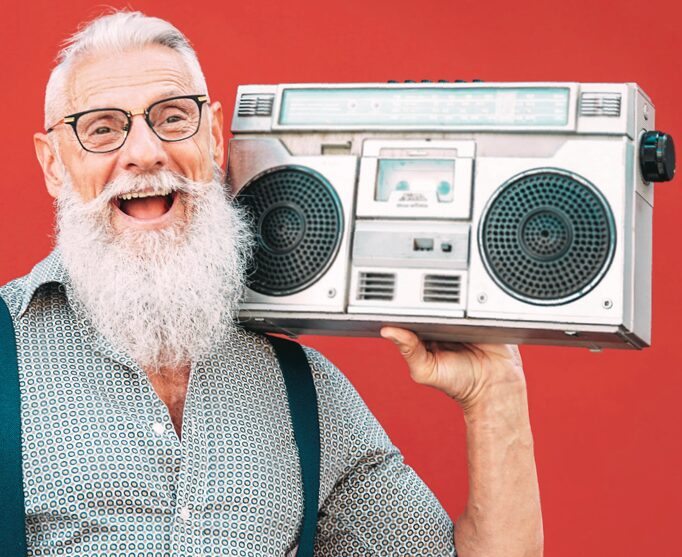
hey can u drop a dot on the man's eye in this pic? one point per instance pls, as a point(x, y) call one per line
point(174, 118)
point(101, 130)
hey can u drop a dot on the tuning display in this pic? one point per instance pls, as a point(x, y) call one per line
point(471, 106)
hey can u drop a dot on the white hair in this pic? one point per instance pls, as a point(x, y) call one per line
point(111, 34)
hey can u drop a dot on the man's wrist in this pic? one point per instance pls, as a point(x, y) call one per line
point(501, 407)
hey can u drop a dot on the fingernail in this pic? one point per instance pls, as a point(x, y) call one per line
point(391, 338)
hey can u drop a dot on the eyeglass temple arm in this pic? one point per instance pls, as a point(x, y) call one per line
point(65, 120)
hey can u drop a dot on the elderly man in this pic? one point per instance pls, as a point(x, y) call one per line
point(153, 425)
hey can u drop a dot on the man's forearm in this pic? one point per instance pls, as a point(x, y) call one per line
point(502, 515)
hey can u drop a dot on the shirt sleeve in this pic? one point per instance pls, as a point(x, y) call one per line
point(372, 503)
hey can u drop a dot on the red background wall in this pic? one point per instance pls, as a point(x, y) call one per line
point(607, 426)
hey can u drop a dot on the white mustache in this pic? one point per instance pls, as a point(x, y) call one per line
point(128, 183)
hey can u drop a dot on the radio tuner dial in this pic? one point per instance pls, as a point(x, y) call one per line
point(657, 156)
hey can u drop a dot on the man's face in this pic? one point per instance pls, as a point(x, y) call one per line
point(133, 80)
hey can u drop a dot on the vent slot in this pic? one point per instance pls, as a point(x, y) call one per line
point(376, 286)
point(442, 289)
point(255, 105)
point(600, 104)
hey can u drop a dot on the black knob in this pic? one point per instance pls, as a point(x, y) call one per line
point(657, 156)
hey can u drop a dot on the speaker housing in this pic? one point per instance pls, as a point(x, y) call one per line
point(600, 166)
point(298, 222)
point(547, 237)
point(326, 287)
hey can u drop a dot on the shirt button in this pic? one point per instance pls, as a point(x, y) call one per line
point(158, 428)
point(184, 513)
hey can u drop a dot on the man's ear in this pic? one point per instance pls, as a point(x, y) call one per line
point(217, 140)
point(53, 169)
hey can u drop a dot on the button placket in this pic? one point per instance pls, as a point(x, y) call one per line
point(190, 478)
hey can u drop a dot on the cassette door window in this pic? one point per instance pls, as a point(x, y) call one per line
point(416, 179)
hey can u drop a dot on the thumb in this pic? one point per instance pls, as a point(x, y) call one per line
point(419, 360)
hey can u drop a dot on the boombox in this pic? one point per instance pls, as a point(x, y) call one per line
point(468, 212)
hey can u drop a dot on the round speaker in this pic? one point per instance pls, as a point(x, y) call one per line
point(298, 222)
point(547, 237)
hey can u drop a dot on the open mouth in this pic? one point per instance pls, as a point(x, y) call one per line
point(145, 206)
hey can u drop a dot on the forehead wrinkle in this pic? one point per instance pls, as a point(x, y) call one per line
point(90, 87)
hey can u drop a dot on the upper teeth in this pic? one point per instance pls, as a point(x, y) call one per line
point(127, 196)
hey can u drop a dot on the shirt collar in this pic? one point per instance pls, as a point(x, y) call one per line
point(50, 269)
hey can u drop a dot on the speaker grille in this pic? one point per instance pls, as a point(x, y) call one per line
point(442, 289)
point(546, 237)
point(255, 104)
point(298, 222)
point(600, 104)
point(376, 286)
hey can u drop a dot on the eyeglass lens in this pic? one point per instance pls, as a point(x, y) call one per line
point(171, 120)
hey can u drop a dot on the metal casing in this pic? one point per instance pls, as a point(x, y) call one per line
point(592, 135)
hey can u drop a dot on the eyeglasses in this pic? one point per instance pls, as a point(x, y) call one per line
point(103, 130)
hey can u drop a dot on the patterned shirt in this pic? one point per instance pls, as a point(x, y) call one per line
point(105, 473)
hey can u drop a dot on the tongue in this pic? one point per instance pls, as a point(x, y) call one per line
point(145, 207)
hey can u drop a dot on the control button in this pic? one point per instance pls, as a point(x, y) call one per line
point(460, 80)
point(477, 80)
point(410, 81)
point(442, 81)
point(158, 428)
point(426, 81)
point(392, 81)
point(657, 157)
point(422, 244)
point(184, 513)
point(446, 247)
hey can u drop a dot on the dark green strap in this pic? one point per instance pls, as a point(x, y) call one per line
point(298, 378)
point(13, 523)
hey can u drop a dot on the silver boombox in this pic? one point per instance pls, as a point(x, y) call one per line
point(470, 212)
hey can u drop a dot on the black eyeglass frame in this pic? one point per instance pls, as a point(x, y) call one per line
point(72, 120)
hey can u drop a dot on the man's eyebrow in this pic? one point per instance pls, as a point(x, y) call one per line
point(171, 93)
point(168, 93)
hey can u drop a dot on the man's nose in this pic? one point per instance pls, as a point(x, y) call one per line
point(142, 151)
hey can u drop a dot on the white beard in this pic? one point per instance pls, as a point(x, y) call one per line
point(165, 296)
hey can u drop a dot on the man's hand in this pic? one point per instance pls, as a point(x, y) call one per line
point(502, 516)
point(465, 372)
